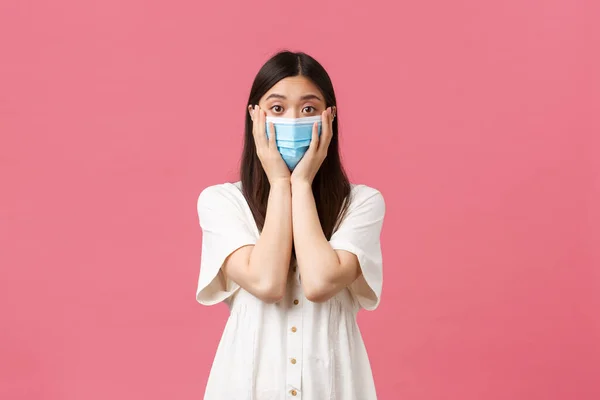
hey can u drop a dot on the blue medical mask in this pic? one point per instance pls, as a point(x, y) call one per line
point(293, 136)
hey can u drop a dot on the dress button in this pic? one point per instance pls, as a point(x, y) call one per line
point(293, 361)
point(296, 302)
point(294, 329)
point(293, 392)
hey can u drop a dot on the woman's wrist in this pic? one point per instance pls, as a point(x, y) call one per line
point(301, 183)
point(280, 182)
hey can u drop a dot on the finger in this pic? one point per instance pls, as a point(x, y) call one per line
point(254, 122)
point(263, 128)
point(331, 116)
point(260, 136)
point(314, 142)
point(272, 137)
point(326, 130)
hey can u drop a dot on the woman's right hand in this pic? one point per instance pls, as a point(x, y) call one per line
point(266, 149)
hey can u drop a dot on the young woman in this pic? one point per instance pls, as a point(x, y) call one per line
point(293, 248)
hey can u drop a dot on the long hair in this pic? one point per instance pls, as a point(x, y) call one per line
point(330, 186)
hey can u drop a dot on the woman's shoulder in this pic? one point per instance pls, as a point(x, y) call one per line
point(363, 191)
point(221, 194)
point(365, 198)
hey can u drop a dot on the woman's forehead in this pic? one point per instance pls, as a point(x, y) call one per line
point(294, 88)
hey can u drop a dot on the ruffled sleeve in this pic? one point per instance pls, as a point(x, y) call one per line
point(359, 233)
point(225, 228)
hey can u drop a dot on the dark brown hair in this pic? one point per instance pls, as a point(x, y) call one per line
point(331, 186)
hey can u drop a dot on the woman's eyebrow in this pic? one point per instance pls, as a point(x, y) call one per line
point(310, 97)
point(305, 97)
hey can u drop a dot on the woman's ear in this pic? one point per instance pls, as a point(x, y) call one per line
point(251, 111)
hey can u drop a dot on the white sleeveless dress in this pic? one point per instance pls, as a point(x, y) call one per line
point(293, 349)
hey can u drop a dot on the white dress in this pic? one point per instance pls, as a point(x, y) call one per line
point(293, 349)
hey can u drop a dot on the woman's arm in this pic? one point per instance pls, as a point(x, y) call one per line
point(324, 271)
point(262, 269)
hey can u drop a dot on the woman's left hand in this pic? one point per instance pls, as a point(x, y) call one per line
point(308, 166)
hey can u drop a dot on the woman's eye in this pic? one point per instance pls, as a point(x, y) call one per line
point(277, 109)
point(311, 107)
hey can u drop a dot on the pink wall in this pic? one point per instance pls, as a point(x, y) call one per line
point(473, 118)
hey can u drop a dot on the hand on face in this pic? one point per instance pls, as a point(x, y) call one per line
point(266, 149)
point(308, 166)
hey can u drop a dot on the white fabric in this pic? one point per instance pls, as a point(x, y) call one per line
point(310, 351)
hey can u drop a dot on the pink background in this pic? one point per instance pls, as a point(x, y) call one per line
point(477, 120)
